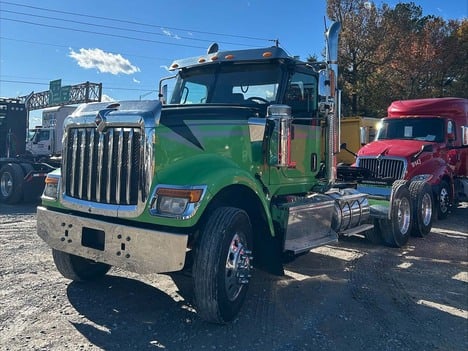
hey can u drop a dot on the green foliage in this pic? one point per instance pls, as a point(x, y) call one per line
point(396, 53)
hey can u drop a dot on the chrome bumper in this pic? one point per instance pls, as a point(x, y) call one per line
point(133, 249)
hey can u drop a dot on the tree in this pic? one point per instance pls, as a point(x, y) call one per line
point(388, 54)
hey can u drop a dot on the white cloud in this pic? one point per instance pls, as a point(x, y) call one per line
point(170, 34)
point(105, 62)
point(165, 31)
point(136, 81)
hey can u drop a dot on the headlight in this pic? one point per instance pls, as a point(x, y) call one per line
point(172, 205)
point(51, 187)
point(176, 202)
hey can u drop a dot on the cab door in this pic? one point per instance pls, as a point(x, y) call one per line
point(301, 95)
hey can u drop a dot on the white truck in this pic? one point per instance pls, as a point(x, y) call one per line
point(46, 140)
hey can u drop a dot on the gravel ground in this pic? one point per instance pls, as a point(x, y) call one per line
point(349, 296)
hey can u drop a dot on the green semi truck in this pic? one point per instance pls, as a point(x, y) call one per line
point(226, 173)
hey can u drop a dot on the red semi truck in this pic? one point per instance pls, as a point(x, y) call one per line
point(423, 139)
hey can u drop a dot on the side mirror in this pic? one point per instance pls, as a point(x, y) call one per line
point(324, 83)
point(163, 94)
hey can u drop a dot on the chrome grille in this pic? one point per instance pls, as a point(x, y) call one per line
point(388, 168)
point(103, 167)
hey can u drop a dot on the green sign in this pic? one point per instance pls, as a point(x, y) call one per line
point(57, 93)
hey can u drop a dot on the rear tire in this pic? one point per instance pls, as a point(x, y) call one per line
point(396, 230)
point(222, 265)
point(11, 183)
point(78, 268)
point(423, 204)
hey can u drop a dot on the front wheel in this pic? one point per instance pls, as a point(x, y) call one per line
point(78, 268)
point(222, 265)
point(396, 230)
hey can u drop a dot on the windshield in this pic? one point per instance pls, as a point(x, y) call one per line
point(425, 129)
point(230, 84)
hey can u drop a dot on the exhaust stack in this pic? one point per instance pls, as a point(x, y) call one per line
point(333, 100)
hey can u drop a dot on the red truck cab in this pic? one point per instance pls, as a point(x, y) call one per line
point(423, 139)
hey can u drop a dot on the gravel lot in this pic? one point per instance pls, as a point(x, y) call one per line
point(349, 296)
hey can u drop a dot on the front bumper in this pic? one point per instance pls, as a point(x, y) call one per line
point(130, 248)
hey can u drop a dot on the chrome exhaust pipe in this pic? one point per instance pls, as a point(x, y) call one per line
point(334, 112)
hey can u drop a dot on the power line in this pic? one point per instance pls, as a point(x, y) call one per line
point(133, 22)
point(103, 34)
point(100, 25)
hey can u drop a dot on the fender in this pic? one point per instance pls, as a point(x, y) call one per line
point(216, 173)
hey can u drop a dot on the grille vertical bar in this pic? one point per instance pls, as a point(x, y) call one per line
point(99, 165)
point(129, 166)
point(119, 164)
point(91, 162)
point(104, 166)
point(73, 160)
point(110, 155)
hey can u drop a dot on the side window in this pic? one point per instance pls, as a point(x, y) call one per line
point(301, 95)
point(451, 130)
point(43, 136)
point(193, 93)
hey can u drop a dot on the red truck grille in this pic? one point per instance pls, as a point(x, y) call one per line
point(384, 168)
point(103, 167)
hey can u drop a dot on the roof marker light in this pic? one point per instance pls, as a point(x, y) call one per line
point(214, 58)
point(267, 54)
point(229, 57)
point(201, 60)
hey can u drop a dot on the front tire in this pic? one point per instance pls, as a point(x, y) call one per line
point(222, 265)
point(396, 230)
point(78, 268)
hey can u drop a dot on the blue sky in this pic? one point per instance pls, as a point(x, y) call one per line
point(127, 46)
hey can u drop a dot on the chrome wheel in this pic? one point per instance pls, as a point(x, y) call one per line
point(238, 267)
point(404, 216)
point(6, 184)
point(426, 209)
point(444, 200)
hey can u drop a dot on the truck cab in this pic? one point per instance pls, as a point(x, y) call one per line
point(46, 140)
point(423, 139)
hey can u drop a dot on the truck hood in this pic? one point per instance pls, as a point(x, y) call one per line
point(396, 147)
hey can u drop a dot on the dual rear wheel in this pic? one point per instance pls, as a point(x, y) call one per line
point(411, 213)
